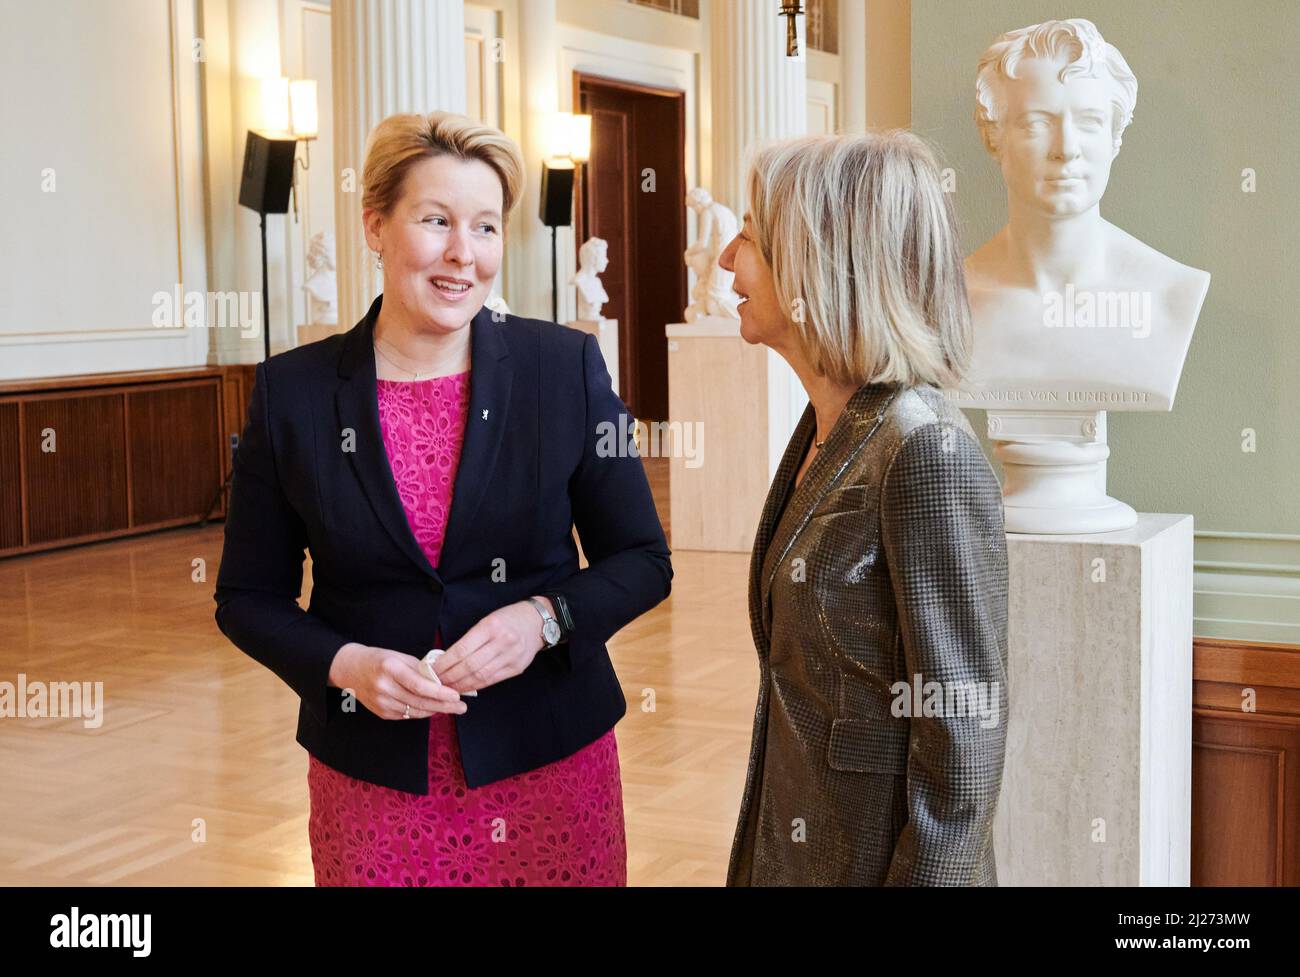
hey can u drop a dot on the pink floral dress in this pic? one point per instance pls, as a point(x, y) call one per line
point(561, 824)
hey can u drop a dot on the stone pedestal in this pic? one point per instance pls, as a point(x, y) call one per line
point(1054, 472)
point(606, 333)
point(1097, 784)
point(719, 382)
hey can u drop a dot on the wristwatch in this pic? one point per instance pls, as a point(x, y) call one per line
point(551, 632)
point(562, 612)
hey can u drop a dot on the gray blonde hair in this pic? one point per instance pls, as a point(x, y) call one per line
point(865, 257)
point(402, 140)
point(1087, 54)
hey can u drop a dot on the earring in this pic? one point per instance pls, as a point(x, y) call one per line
point(381, 259)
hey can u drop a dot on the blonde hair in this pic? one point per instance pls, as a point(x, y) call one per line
point(402, 140)
point(864, 253)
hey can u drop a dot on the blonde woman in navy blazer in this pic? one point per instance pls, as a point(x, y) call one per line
point(311, 474)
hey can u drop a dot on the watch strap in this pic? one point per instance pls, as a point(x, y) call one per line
point(562, 613)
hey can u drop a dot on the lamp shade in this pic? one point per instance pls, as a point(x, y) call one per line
point(275, 104)
point(302, 100)
point(568, 136)
point(580, 142)
point(559, 133)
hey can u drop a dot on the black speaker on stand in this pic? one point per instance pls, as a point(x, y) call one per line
point(265, 187)
point(556, 211)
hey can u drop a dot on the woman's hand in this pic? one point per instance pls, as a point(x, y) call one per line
point(499, 647)
point(388, 681)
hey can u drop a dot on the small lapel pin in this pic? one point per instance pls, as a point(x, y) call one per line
point(485, 414)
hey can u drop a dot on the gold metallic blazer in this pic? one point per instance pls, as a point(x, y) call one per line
point(878, 605)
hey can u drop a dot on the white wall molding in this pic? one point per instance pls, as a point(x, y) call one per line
point(823, 107)
point(135, 334)
point(823, 66)
point(1247, 586)
point(103, 344)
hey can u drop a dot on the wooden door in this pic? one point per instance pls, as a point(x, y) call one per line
point(609, 216)
point(632, 195)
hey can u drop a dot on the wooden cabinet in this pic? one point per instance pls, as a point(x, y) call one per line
point(1245, 763)
point(94, 457)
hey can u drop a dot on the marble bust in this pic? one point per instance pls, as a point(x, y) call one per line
point(1072, 315)
point(496, 303)
point(1069, 310)
point(321, 285)
point(716, 225)
point(593, 258)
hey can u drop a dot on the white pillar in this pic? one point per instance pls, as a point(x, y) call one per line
point(387, 56)
point(757, 95)
point(530, 275)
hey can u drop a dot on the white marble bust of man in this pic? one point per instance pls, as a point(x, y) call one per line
point(1070, 312)
point(593, 258)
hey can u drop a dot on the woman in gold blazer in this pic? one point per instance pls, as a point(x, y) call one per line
point(878, 581)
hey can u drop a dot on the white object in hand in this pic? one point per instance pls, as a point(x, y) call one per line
point(427, 661)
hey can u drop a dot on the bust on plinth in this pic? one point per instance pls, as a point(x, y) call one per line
point(1073, 316)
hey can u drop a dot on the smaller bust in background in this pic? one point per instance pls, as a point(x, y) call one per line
point(321, 285)
point(593, 258)
point(496, 303)
point(716, 226)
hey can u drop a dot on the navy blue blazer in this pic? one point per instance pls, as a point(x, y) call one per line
point(532, 466)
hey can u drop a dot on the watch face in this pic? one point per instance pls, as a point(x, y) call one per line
point(551, 632)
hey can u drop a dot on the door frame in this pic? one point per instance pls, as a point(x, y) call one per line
point(627, 375)
point(638, 63)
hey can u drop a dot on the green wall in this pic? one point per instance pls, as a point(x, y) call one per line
point(1218, 91)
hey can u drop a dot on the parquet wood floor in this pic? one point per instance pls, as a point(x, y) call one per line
point(194, 777)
